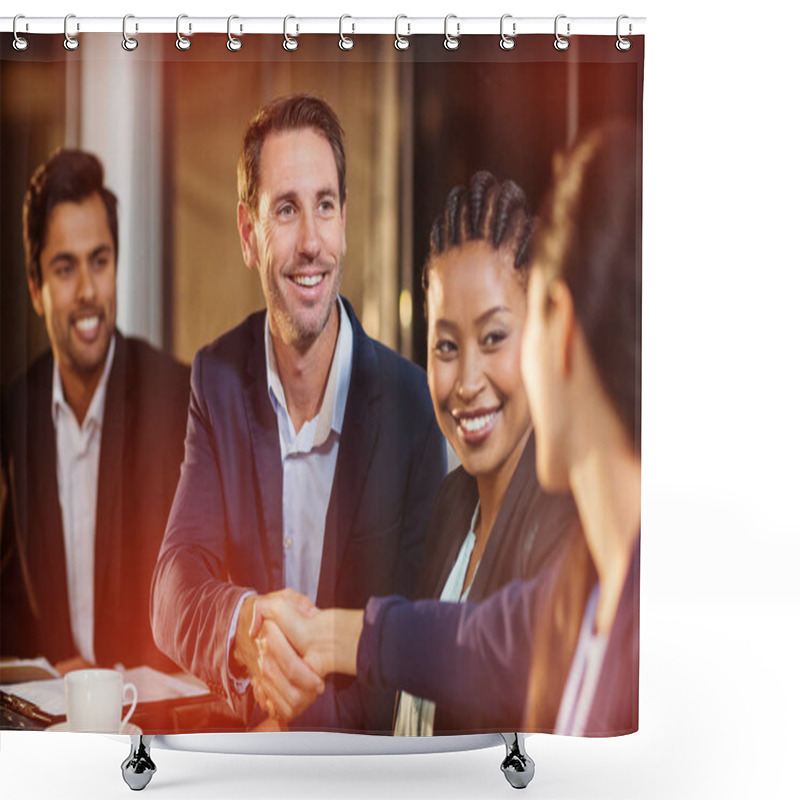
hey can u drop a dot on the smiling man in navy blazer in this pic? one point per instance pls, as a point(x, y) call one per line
point(312, 452)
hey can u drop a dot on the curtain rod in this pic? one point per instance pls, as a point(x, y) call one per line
point(350, 25)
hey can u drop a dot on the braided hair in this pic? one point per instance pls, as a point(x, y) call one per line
point(485, 210)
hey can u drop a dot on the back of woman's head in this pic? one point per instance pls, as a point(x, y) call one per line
point(590, 238)
point(484, 210)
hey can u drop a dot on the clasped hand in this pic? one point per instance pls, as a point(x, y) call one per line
point(285, 655)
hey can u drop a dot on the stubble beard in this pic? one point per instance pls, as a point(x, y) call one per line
point(291, 329)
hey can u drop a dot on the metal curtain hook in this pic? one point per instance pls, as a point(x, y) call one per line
point(400, 42)
point(20, 43)
point(70, 42)
point(233, 44)
point(289, 43)
point(560, 43)
point(623, 44)
point(345, 42)
point(128, 42)
point(451, 42)
point(507, 42)
point(182, 43)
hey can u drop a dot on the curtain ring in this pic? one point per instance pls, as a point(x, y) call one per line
point(401, 42)
point(20, 43)
point(233, 44)
point(182, 43)
point(128, 42)
point(623, 44)
point(289, 43)
point(451, 42)
point(561, 43)
point(345, 42)
point(70, 42)
point(507, 42)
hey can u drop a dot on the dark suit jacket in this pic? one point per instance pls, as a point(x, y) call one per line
point(525, 539)
point(615, 708)
point(414, 644)
point(141, 449)
point(225, 529)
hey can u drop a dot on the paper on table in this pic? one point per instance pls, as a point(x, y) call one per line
point(151, 686)
point(17, 670)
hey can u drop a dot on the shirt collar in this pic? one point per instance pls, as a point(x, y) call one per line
point(331, 413)
point(94, 416)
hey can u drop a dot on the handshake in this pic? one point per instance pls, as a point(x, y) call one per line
point(287, 646)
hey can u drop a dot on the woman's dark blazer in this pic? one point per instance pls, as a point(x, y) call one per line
point(525, 539)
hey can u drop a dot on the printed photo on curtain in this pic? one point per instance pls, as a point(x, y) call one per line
point(321, 385)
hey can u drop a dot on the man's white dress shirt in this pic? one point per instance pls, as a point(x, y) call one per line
point(78, 463)
point(308, 458)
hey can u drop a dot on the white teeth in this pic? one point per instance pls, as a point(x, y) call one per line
point(473, 424)
point(87, 324)
point(307, 280)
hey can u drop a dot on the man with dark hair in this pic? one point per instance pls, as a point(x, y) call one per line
point(312, 452)
point(91, 442)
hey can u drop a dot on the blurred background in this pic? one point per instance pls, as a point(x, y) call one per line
point(168, 126)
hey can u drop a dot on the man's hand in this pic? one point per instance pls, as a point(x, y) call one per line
point(327, 640)
point(283, 684)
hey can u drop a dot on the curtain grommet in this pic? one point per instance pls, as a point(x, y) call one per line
point(182, 42)
point(345, 42)
point(451, 42)
point(234, 44)
point(622, 44)
point(129, 43)
point(401, 42)
point(561, 43)
point(507, 42)
point(70, 42)
point(20, 43)
point(290, 44)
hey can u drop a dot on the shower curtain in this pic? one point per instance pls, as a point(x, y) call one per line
point(167, 125)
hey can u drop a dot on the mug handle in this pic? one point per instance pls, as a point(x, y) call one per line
point(125, 688)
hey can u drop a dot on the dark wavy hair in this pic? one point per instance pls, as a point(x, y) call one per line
point(290, 113)
point(484, 210)
point(67, 176)
point(590, 238)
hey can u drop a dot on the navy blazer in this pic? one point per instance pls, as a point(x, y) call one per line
point(528, 535)
point(414, 645)
point(225, 530)
point(141, 448)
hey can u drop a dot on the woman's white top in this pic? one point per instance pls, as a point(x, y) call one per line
point(576, 702)
point(415, 714)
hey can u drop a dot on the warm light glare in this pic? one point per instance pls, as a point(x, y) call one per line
point(406, 311)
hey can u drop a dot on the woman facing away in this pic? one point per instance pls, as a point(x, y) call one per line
point(582, 370)
point(576, 625)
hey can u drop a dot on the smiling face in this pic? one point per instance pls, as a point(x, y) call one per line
point(476, 312)
point(296, 236)
point(78, 294)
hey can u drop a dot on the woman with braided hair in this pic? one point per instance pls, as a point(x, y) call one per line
point(491, 522)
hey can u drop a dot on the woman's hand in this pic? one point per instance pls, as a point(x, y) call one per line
point(326, 640)
point(283, 684)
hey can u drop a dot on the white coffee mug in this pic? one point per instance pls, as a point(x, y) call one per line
point(94, 700)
